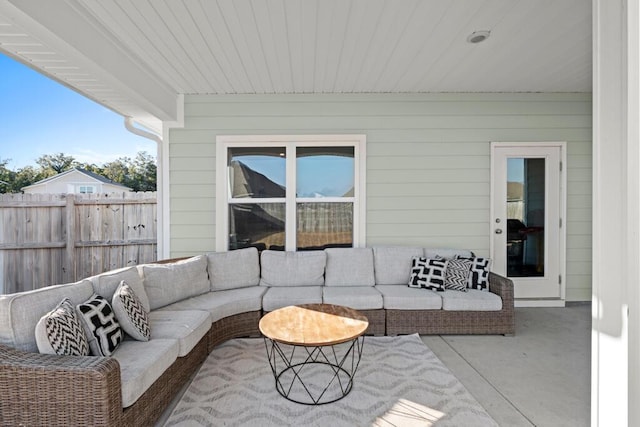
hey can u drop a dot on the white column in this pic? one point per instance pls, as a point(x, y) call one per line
point(633, 202)
point(616, 220)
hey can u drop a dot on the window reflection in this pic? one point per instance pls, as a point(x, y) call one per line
point(525, 217)
point(324, 225)
point(259, 225)
point(325, 171)
point(257, 172)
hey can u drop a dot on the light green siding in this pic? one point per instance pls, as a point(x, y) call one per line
point(428, 161)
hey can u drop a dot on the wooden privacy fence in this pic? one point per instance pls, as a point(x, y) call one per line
point(48, 239)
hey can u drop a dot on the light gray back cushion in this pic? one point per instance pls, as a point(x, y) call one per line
point(169, 283)
point(19, 313)
point(349, 267)
point(292, 268)
point(234, 269)
point(393, 263)
point(446, 253)
point(105, 284)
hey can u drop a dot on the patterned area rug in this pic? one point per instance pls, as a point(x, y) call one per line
point(399, 382)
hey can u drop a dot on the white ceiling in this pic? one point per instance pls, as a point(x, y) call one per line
point(137, 55)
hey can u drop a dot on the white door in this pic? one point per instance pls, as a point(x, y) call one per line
point(527, 236)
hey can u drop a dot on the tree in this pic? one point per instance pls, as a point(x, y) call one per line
point(145, 172)
point(139, 173)
point(25, 176)
point(6, 176)
point(56, 163)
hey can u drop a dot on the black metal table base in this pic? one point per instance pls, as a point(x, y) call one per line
point(314, 375)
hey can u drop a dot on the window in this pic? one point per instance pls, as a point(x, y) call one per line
point(290, 192)
point(86, 189)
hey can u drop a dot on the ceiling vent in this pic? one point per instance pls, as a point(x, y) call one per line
point(478, 36)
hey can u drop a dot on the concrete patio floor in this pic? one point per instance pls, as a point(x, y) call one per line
point(539, 377)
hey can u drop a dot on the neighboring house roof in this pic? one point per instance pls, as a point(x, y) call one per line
point(91, 175)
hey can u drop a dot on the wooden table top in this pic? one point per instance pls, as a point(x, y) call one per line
point(313, 324)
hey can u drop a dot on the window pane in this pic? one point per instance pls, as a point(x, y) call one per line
point(525, 217)
point(324, 225)
point(257, 224)
point(325, 171)
point(257, 172)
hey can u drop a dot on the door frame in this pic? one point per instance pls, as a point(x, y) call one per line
point(562, 145)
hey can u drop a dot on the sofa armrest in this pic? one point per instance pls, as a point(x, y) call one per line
point(41, 389)
point(503, 287)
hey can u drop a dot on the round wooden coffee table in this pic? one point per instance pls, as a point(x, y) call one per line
point(314, 350)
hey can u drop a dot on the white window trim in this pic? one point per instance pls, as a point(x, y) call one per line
point(223, 142)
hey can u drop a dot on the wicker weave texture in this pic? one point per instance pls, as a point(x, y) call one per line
point(236, 326)
point(377, 322)
point(441, 322)
point(46, 390)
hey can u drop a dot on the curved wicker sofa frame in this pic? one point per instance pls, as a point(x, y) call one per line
point(38, 389)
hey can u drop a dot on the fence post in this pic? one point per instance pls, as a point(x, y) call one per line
point(70, 253)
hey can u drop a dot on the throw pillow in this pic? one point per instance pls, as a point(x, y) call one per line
point(60, 332)
point(479, 273)
point(100, 324)
point(130, 312)
point(457, 274)
point(428, 273)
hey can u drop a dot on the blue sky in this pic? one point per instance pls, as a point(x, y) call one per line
point(39, 116)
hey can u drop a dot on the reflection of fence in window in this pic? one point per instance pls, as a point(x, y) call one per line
point(319, 225)
point(324, 224)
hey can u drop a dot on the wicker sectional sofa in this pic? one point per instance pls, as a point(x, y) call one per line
point(197, 303)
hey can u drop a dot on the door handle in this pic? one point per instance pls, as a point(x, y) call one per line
point(498, 231)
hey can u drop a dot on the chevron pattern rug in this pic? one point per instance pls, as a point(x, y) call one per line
point(399, 382)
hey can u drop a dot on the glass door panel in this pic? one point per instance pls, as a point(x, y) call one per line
point(525, 217)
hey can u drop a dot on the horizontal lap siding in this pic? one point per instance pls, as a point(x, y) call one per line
point(428, 161)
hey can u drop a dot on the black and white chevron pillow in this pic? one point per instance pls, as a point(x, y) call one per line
point(130, 312)
point(60, 332)
point(428, 273)
point(102, 327)
point(457, 274)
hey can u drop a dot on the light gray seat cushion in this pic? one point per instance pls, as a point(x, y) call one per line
point(141, 364)
point(105, 284)
point(186, 326)
point(399, 297)
point(393, 264)
point(234, 269)
point(19, 313)
point(278, 297)
point(472, 300)
point(446, 253)
point(292, 268)
point(169, 283)
point(357, 297)
point(221, 304)
point(349, 267)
